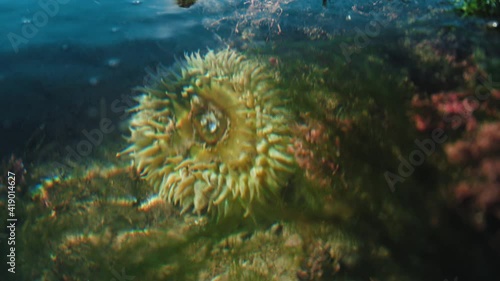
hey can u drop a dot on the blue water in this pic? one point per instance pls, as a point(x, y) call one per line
point(95, 23)
point(59, 60)
point(79, 53)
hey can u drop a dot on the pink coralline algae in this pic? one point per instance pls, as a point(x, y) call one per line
point(309, 146)
point(452, 110)
point(480, 193)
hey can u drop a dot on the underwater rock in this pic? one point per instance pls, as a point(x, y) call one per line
point(212, 135)
point(105, 224)
point(96, 225)
point(440, 62)
point(185, 3)
point(287, 251)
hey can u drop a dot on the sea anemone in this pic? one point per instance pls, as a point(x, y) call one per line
point(212, 134)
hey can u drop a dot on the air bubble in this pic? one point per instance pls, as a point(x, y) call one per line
point(93, 81)
point(113, 62)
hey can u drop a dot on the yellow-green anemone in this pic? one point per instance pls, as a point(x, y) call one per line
point(212, 134)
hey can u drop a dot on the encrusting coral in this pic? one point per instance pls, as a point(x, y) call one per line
point(212, 134)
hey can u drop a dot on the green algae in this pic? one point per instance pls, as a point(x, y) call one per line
point(485, 8)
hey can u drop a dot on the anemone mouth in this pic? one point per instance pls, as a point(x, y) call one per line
point(210, 123)
point(213, 134)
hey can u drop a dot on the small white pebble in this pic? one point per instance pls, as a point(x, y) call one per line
point(492, 24)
